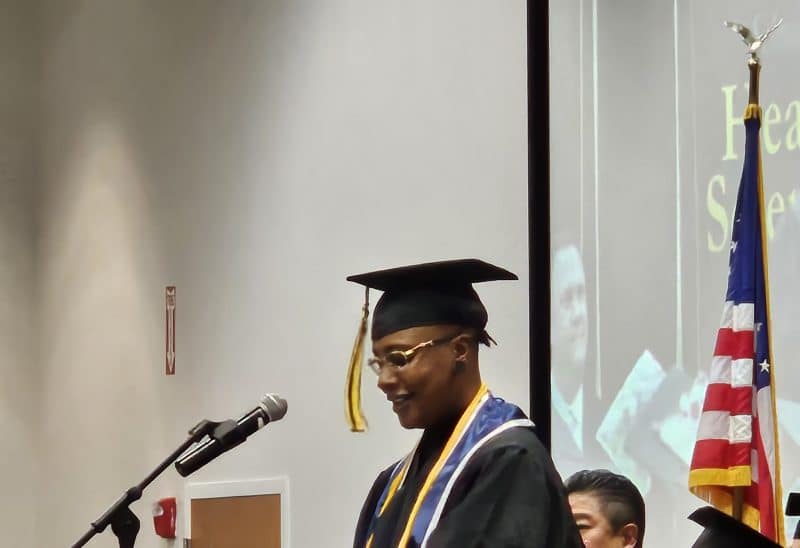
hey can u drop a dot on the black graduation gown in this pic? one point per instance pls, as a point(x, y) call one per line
point(508, 495)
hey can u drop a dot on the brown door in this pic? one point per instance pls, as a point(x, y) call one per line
point(237, 522)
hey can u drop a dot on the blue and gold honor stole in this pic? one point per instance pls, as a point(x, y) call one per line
point(485, 417)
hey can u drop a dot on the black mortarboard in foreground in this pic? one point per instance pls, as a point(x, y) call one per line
point(435, 293)
point(723, 531)
point(793, 509)
point(793, 505)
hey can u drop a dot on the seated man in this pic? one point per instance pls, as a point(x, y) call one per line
point(608, 509)
point(479, 477)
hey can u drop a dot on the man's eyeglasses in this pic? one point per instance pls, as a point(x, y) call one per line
point(400, 358)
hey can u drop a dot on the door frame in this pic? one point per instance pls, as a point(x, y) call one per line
point(238, 488)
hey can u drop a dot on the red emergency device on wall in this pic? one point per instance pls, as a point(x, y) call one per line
point(164, 515)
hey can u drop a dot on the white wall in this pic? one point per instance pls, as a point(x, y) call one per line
point(254, 154)
point(17, 368)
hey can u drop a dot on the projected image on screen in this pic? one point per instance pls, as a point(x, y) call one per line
point(570, 332)
point(647, 147)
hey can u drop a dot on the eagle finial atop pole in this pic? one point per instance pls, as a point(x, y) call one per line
point(753, 42)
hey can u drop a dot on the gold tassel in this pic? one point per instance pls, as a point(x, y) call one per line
point(355, 417)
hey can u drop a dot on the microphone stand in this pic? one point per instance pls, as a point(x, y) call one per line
point(124, 523)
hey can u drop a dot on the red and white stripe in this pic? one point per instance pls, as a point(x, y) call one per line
point(736, 426)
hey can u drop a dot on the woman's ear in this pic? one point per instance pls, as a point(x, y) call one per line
point(630, 535)
point(463, 346)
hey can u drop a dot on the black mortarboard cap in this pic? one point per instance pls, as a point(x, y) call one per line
point(723, 531)
point(430, 294)
point(793, 505)
point(793, 509)
point(436, 293)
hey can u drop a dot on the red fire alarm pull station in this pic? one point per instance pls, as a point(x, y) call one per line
point(164, 517)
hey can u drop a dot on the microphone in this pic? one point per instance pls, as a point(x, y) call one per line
point(229, 434)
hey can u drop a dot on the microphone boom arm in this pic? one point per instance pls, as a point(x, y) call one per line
point(223, 436)
point(124, 523)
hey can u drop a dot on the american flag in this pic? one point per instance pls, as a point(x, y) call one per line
point(737, 438)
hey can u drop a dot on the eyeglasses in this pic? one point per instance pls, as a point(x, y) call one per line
point(400, 358)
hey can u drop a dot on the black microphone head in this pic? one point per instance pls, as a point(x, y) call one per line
point(274, 406)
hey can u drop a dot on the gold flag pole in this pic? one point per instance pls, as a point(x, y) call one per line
point(754, 44)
